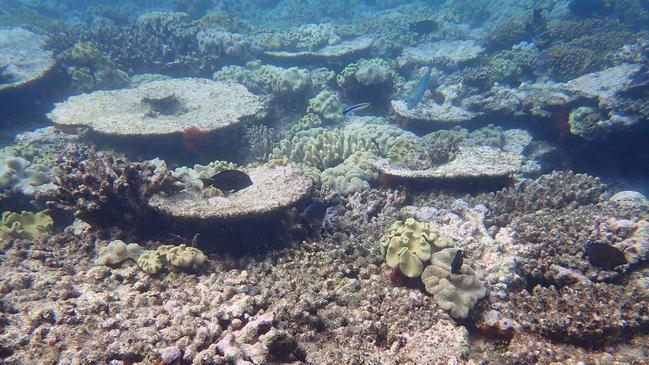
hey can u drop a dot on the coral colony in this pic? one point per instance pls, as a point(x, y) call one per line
point(324, 182)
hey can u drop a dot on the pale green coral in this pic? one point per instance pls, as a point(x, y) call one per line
point(353, 175)
point(117, 251)
point(456, 293)
point(267, 79)
point(327, 105)
point(91, 70)
point(191, 176)
point(150, 262)
point(18, 175)
point(24, 225)
point(292, 81)
point(372, 72)
point(321, 148)
point(184, 257)
point(308, 121)
point(407, 245)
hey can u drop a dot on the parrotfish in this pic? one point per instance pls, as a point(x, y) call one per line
point(418, 94)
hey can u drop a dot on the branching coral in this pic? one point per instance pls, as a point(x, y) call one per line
point(105, 191)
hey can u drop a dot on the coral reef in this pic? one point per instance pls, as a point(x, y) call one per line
point(24, 225)
point(261, 140)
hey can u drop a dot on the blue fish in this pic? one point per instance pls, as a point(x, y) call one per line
point(418, 94)
point(354, 108)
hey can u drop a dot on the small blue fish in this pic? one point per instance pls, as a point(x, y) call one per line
point(418, 94)
point(354, 108)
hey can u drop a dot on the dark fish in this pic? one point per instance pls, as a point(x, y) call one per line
point(313, 217)
point(228, 180)
point(423, 26)
point(587, 8)
point(458, 260)
point(355, 108)
point(605, 256)
point(418, 94)
point(536, 28)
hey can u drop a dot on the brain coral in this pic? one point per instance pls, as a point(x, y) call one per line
point(456, 293)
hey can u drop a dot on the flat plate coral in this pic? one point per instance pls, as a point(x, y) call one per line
point(470, 162)
point(271, 190)
point(22, 57)
point(159, 108)
point(342, 50)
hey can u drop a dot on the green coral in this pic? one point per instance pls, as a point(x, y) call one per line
point(268, 79)
point(91, 70)
point(308, 121)
point(321, 148)
point(151, 261)
point(353, 175)
point(456, 293)
point(407, 245)
point(372, 72)
point(327, 105)
point(182, 256)
point(24, 225)
point(584, 121)
point(117, 251)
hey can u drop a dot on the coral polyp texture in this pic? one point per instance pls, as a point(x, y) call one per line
point(159, 108)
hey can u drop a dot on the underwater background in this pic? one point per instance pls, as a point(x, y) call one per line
point(324, 182)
